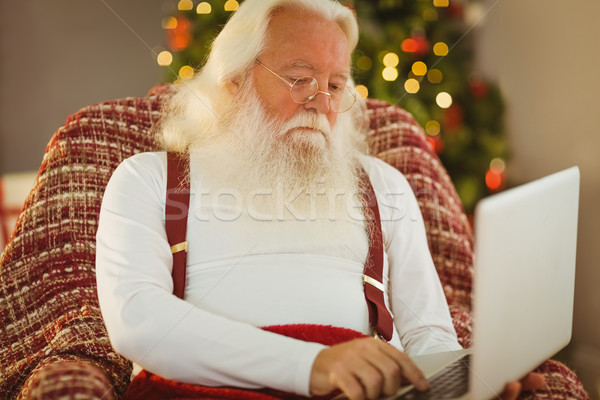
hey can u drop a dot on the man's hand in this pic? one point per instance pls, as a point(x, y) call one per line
point(531, 381)
point(364, 368)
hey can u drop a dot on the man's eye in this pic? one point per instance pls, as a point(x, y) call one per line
point(336, 88)
point(303, 81)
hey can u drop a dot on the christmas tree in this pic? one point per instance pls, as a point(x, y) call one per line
point(416, 54)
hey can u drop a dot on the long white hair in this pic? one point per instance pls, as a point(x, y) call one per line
point(193, 112)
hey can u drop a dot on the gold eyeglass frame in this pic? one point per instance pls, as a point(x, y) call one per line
point(310, 98)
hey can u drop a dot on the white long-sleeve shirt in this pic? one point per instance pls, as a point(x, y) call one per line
point(244, 273)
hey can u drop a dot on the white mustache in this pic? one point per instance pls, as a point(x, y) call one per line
point(308, 120)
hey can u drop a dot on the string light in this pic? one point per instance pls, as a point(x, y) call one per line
point(231, 5)
point(164, 58)
point(390, 74)
point(440, 49)
point(391, 60)
point(412, 86)
point(185, 5)
point(362, 90)
point(419, 68)
point(186, 72)
point(434, 76)
point(444, 100)
point(204, 8)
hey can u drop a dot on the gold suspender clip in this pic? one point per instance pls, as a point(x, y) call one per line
point(183, 246)
point(372, 282)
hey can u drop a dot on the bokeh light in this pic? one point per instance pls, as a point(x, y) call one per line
point(185, 5)
point(409, 46)
point(390, 74)
point(440, 49)
point(164, 58)
point(430, 14)
point(412, 86)
point(441, 3)
point(498, 165)
point(204, 8)
point(419, 68)
point(436, 143)
point(444, 100)
point(231, 5)
point(364, 63)
point(186, 72)
point(433, 128)
point(362, 90)
point(180, 37)
point(391, 60)
point(169, 23)
point(494, 180)
point(435, 75)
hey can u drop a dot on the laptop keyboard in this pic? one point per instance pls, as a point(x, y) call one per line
point(449, 383)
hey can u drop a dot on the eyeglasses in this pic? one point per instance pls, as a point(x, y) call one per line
point(304, 89)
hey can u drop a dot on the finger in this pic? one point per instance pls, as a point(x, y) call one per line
point(511, 391)
point(372, 381)
point(348, 384)
point(381, 373)
point(409, 369)
point(392, 374)
point(388, 369)
point(533, 381)
point(358, 376)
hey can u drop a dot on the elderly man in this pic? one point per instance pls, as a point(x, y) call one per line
point(276, 230)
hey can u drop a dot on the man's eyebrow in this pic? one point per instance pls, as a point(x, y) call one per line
point(302, 64)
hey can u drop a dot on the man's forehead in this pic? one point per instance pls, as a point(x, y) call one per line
point(290, 26)
point(304, 39)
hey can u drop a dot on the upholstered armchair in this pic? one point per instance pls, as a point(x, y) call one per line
point(53, 343)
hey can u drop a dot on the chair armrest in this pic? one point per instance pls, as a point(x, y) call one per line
point(463, 324)
point(561, 384)
point(67, 378)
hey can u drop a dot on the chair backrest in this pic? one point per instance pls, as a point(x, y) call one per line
point(396, 138)
point(48, 300)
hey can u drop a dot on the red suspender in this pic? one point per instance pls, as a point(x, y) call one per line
point(379, 316)
point(176, 212)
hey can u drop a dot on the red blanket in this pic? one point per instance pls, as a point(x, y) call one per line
point(147, 386)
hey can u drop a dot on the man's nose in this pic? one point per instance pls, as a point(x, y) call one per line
point(319, 103)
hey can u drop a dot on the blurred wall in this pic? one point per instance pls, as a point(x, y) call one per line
point(59, 56)
point(545, 56)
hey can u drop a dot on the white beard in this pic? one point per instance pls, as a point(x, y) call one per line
point(296, 182)
point(298, 169)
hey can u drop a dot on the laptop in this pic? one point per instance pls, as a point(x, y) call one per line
point(523, 288)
